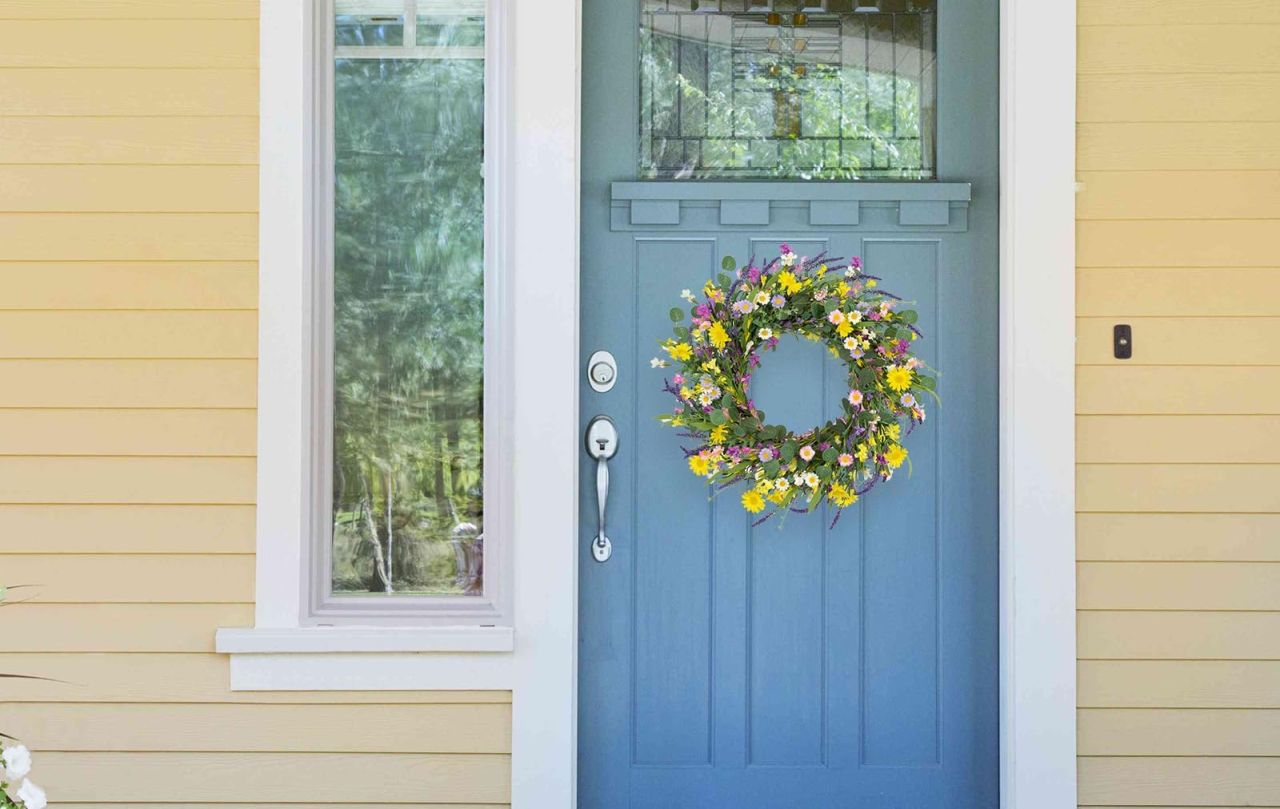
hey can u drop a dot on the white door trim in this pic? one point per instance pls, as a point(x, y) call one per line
point(1037, 405)
point(1037, 307)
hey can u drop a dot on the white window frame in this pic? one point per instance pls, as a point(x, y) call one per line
point(1037, 421)
point(320, 606)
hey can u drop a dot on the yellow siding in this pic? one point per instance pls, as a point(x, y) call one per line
point(128, 287)
point(1178, 452)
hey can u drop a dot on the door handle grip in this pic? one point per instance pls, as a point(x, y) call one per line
point(602, 493)
point(602, 444)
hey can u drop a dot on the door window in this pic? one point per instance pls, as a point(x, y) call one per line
point(787, 89)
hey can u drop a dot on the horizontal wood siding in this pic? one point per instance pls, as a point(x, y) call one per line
point(128, 339)
point(1178, 449)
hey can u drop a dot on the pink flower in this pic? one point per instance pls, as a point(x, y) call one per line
point(855, 398)
point(678, 379)
point(845, 459)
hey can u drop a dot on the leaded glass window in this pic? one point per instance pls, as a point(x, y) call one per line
point(787, 89)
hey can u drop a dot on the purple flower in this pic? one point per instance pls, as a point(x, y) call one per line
point(703, 310)
point(753, 275)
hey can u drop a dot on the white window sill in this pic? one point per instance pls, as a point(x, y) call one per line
point(369, 658)
point(348, 639)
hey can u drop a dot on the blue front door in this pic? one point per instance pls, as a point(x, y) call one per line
point(792, 664)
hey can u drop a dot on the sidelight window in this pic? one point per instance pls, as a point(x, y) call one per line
point(403, 284)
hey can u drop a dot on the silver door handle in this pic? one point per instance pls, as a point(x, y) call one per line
point(602, 444)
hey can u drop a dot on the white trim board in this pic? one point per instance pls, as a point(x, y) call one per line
point(1037, 570)
point(1037, 405)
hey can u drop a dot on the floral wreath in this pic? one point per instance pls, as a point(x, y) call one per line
point(717, 351)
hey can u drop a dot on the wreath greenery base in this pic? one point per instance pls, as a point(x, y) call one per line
point(716, 349)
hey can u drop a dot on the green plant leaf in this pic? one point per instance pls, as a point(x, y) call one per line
point(788, 452)
point(728, 264)
point(676, 314)
point(718, 417)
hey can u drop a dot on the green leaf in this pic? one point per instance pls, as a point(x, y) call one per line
point(925, 382)
point(908, 316)
point(718, 417)
point(682, 332)
point(771, 469)
point(724, 280)
point(788, 452)
point(815, 497)
point(829, 454)
point(728, 264)
point(676, 314)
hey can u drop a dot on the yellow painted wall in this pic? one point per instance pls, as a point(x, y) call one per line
point(128, 286)
point(1179, 448)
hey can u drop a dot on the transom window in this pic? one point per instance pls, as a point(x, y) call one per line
point(400, 515)
point(787, 89)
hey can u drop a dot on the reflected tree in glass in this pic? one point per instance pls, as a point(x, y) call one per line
point(408, 324)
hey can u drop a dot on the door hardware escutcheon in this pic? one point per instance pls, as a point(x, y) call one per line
point(602, 371)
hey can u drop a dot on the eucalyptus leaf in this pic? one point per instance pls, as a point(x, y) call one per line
point(728, 263)
point(676, 314)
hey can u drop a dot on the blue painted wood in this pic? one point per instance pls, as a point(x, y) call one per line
point(920, 212)
point(743, 211)
point(832, 212)
point(793, 664)
point(791, 192)
point(655, 212)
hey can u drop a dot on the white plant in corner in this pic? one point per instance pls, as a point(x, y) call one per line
point(16, 790)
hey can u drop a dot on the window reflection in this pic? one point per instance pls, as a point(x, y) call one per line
point(408, 286)
point(837, 89)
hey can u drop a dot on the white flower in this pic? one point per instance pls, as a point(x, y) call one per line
point(765, 334)
point(687, 295)
point(811, 480)
point(657, 363)
point(806, 452)
point(32, 796)
point(17, 762)
point(762, 298)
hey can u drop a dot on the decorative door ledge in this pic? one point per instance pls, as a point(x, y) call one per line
point(694, 205)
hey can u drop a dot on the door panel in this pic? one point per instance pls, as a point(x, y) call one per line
point(795, 663)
